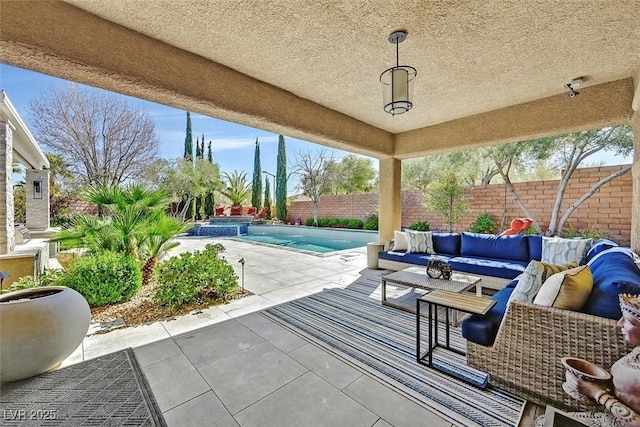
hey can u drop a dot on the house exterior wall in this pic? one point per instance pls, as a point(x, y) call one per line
point(37, 208)
point(608, 211)
point(7, 239)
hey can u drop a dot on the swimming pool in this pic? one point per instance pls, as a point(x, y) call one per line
point(318, 240)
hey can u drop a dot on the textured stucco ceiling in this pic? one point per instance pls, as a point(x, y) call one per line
point(472, 56)
point(489, 71)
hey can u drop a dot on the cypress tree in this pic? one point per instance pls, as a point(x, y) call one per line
point(188, 140)
point(267, 196)
point(209, 205)
point(281, 180)
point(198, 155)
point(202, 148)
point(256, 185)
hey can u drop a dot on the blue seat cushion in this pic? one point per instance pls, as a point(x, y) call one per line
point(535, 247)
point(483, 329)
point(514, 248)
point(412, 258)
point(446, 243)
point(614, 272)
point(488, 267)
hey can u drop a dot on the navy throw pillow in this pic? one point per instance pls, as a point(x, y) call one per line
point(614, 272)
point(446, 243)
point(603, 300)
point(515, 247)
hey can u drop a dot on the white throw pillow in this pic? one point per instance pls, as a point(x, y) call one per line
point(420, 242)
point(533, 277)
point(556, 250)
point(568, 289)
point(400, 241)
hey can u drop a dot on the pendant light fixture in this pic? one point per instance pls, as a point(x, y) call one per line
point(397, 82)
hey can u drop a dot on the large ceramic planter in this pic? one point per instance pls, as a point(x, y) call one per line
point(236, 210)
point(39, 328)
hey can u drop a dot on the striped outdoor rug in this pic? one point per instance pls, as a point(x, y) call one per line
point(353, 324)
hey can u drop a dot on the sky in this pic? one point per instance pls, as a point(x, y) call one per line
point(232, 144)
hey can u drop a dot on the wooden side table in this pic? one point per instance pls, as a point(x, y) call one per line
point(416, 278)
point(448, 300)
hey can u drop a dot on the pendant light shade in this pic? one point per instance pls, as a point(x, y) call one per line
point(397, 82)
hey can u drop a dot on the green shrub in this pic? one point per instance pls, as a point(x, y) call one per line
point(355, 224)
point(47, 278)
point(352, 223)
point(194, 276)
point(420, 226)
point(104, 278)
point(587, 233)
point(485, 223)
point(62, 221)
point(371, 222)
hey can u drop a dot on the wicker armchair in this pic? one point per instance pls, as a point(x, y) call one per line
point(525, 357)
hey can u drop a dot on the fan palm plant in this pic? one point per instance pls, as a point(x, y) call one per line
point(133, 221)
point(237, 187)
point(160, 231)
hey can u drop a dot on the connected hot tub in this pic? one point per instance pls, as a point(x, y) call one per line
point(221, 228)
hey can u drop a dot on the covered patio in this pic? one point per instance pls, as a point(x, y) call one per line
point(488, 73)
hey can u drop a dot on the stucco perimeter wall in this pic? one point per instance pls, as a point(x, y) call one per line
point(608, 210)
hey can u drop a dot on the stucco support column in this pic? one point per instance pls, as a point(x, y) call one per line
point(37, 189)
point(390, 204)
point(7, 238)
point(635, 172)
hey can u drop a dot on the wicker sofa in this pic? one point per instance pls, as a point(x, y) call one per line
point(531, 339)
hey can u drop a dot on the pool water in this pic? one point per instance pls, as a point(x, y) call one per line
point(298, 239)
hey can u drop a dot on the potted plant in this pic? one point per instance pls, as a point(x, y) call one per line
point(39, 328)
point(237, 189)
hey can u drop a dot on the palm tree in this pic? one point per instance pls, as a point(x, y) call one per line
point(160, 231)
point(133, 221)
point(237, 187)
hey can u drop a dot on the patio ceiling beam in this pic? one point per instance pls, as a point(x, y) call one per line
point(59, 39)
point(597, 106)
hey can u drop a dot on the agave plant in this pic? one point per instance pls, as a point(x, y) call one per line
point(237, 187)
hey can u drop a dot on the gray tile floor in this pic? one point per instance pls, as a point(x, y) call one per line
point(231, 366)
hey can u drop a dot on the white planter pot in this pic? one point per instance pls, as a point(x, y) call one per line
point(39, 328)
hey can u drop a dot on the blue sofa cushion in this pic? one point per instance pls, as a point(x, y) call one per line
point(598, 246)
point(483, 329)
point(614, 272)
point(403, 256)
point(488, 267)
point(514, 248)
point(535, 247)
point(446, 243)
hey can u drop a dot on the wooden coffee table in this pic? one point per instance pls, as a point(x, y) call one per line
point(415, 278)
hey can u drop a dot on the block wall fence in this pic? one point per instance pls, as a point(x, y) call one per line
point(608, 210)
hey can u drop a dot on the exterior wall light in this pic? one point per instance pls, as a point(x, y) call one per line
point(37, 189)
point(397, 82)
